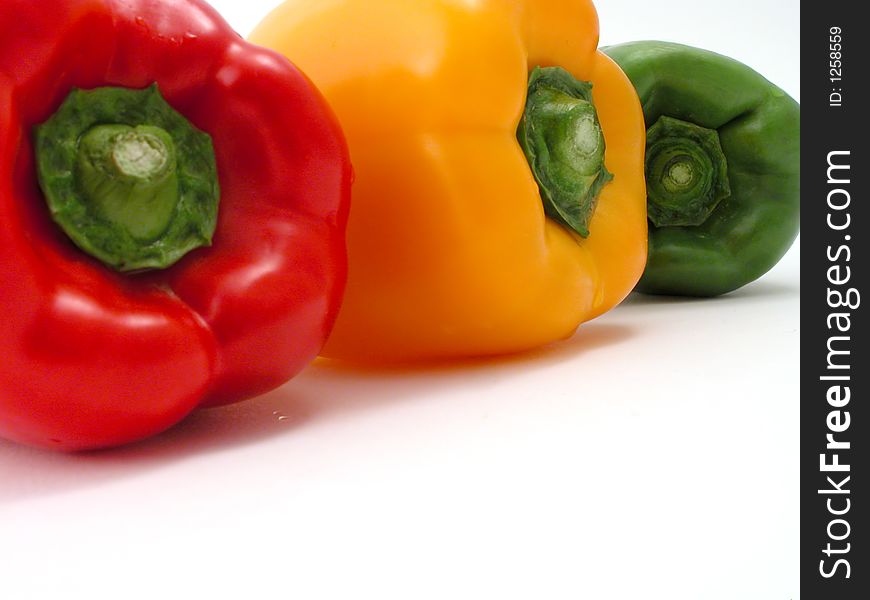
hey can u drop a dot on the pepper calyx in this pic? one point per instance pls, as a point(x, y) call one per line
point(686, 173)
point(564, 144)
point(129, 180)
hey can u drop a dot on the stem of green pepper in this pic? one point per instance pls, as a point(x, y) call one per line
point(564, 144)
point(128, 179)
point(686, 173)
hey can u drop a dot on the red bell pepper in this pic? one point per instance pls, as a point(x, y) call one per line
point(101, 345)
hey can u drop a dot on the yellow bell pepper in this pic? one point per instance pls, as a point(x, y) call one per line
point(451, 251)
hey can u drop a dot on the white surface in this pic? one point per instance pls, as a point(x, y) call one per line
point(655, 455)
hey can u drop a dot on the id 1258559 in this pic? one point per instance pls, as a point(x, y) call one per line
point(835, 64)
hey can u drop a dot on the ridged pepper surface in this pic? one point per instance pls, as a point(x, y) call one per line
point(131, 133)
point(451, 252)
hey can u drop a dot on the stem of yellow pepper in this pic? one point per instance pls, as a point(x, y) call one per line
point(564, 144)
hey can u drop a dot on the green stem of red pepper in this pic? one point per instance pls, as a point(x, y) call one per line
point(130, 181)
point(129, 175)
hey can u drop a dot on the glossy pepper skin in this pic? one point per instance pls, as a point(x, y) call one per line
point(758, 126)
point(450, 252)
point(92, 358)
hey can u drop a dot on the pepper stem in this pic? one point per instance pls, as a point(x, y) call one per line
point(686, 173)
point(128, 179)
point(129, 175)
point(562, 138)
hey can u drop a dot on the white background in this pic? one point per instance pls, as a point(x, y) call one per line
point(655, 455)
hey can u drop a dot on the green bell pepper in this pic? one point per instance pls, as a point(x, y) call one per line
point(722, 168)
